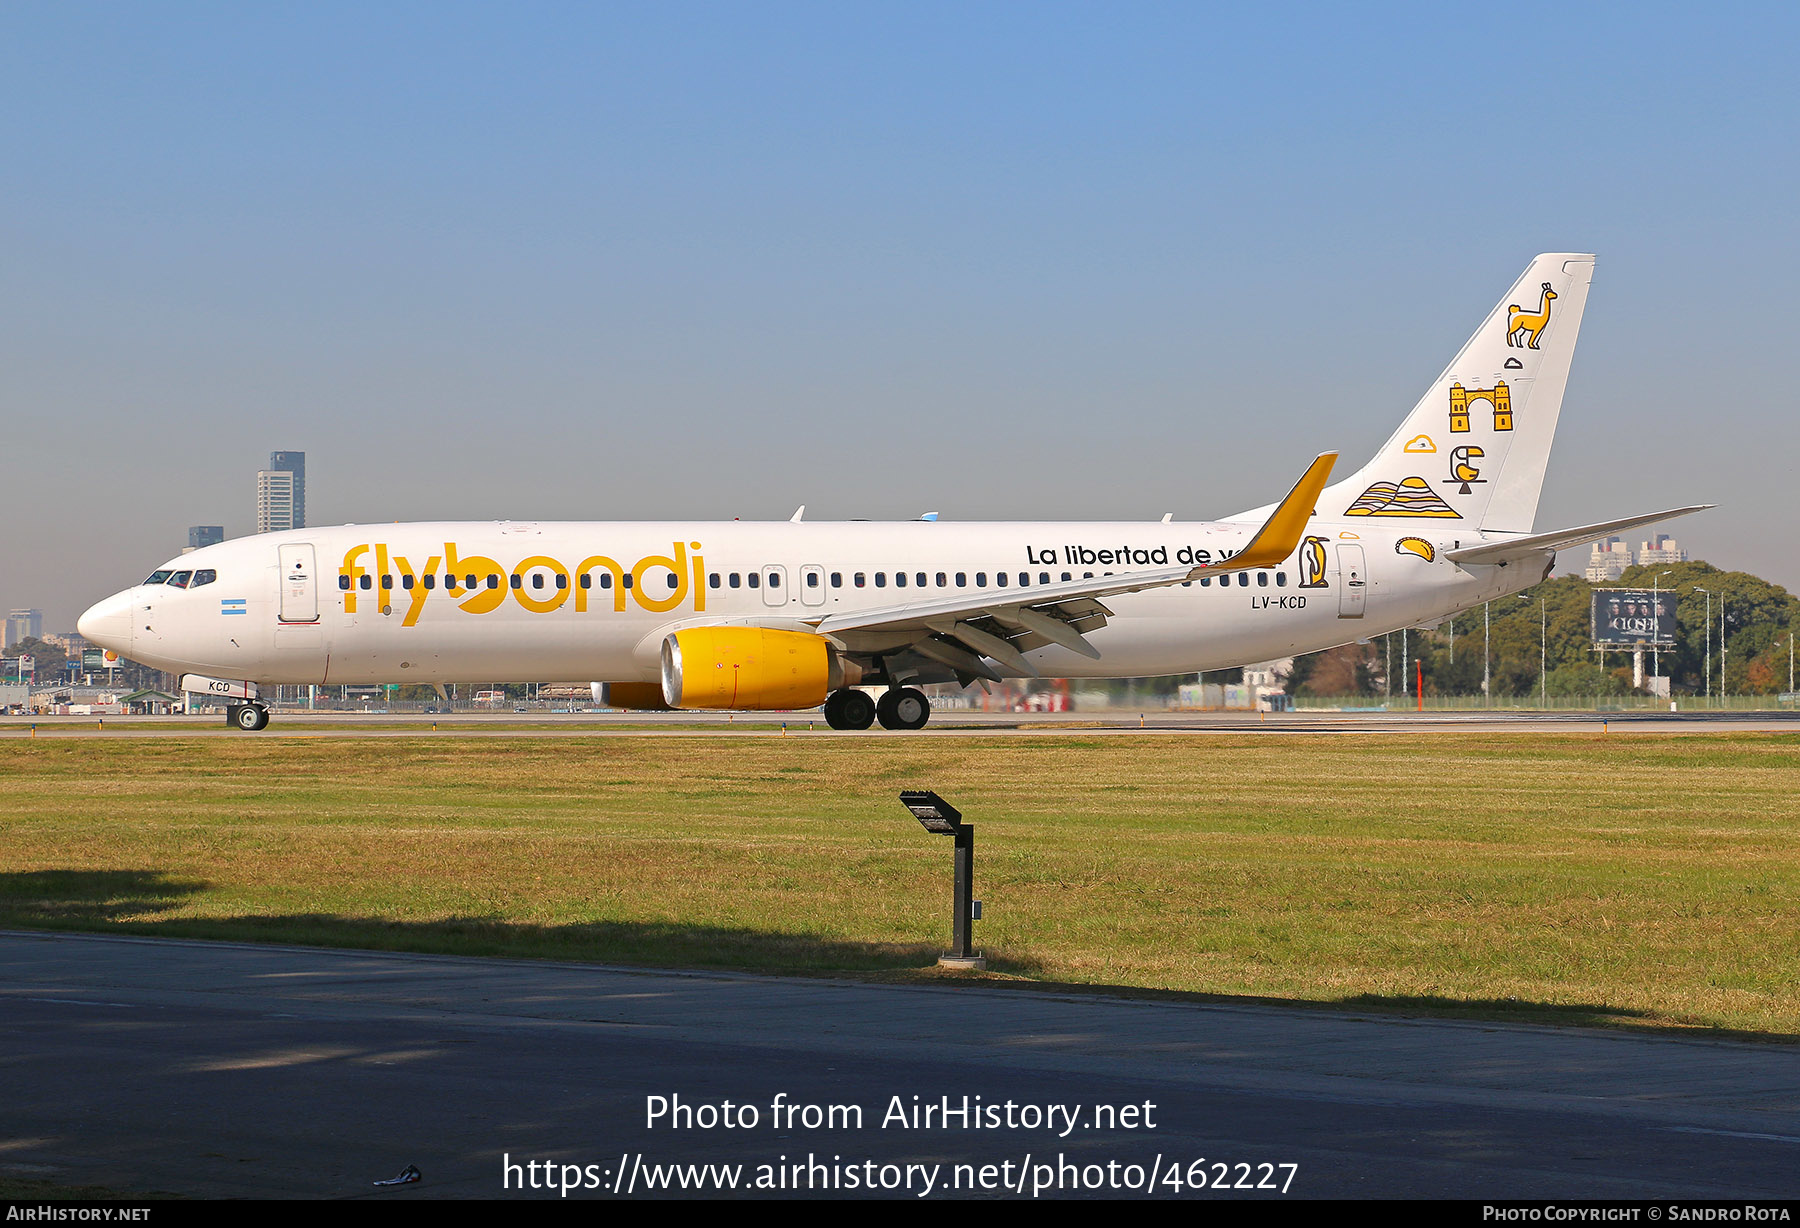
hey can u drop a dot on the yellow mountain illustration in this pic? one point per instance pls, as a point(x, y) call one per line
point(1407, 497)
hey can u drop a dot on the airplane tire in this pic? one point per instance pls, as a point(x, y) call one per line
point(849, 709)
point(250, 717)
point(903, 708)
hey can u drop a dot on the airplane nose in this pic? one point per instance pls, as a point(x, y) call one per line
point(108, 623)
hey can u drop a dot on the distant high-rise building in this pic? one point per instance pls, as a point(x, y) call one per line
point(1608, 560)
point(294, 463)
point(1664, 549)
point(24, 624)
point(202, 535)
point(274, 501)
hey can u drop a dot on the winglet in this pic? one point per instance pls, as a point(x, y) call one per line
point(1282, 531)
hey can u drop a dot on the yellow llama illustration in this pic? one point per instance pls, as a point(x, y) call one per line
point(1523, 327)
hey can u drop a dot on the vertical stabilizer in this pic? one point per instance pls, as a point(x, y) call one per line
point(1473, 451)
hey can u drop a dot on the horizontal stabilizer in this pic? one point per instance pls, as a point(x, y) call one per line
point(1561, 539)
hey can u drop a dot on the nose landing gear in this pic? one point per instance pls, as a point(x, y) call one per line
point(248, 717)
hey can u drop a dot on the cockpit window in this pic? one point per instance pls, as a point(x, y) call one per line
point(158, 577)
point(180, 579)
point(203, 577)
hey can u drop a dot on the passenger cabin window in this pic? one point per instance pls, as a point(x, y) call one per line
point(537, 579)
point(517, 581)
point(364, 583)
point(736, 580)
point(861, 580)
point(1243, 579)
point(493, 581)
point(1281, 579)
point(430, 579)
point(1066, 577)
point(1262, 579)
point(387, 582)
point(981, 579)
point(943, 579)
point(774, 581)
point(962, 579)
point(837, 579)
point(881, 579)
point(919, 579)
point(812, 579)
point(344, 582)
point(673, 583)
point(754, 578)
point(406, 582)
point(899, 579)
point(712, 580)
point(562, 581)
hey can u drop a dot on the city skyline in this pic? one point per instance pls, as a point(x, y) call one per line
point(1000, 263)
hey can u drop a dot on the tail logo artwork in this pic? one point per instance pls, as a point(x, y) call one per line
point(1524, 327)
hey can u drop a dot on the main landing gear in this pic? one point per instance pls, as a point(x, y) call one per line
point(248, 717)
point(899, 708)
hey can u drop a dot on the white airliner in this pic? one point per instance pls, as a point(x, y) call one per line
point(791, 615)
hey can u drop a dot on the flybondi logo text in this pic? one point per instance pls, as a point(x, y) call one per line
point(541, 584)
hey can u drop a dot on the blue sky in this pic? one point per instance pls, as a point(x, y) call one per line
point(1004, 261)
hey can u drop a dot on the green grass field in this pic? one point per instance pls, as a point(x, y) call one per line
point(1650, 880)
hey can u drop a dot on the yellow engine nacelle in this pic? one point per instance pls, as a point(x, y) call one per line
point(746, 668)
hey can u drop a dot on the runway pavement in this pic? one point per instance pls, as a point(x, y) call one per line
point(302, 724)
point(216, 1069)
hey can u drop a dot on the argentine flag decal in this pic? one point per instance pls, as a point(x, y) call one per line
point(233, 605)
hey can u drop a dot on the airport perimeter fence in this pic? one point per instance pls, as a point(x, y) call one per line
point(1553, 703)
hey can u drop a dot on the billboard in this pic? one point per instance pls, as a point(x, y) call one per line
point(1633, 616)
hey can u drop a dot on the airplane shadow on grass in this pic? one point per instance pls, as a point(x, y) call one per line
point(130, 901)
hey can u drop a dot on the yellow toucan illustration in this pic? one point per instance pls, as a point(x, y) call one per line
point(1461, 470)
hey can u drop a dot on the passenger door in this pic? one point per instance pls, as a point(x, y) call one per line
point(299, 584)
point(1353, 580)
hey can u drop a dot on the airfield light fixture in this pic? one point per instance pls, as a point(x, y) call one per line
point(940, 818)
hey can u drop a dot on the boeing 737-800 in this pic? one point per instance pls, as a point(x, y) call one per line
point(791, 615)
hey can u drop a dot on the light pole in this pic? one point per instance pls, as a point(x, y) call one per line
point(1656, 626)
point(1708, 593)
point(1487, 694)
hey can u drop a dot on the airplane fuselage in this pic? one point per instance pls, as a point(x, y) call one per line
point(522, 601)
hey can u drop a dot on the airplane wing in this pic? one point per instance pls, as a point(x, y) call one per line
point(1517, 548)
point(1002, 625)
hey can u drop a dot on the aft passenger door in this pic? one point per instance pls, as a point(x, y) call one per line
point(1353, 580)
point(299, 584)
